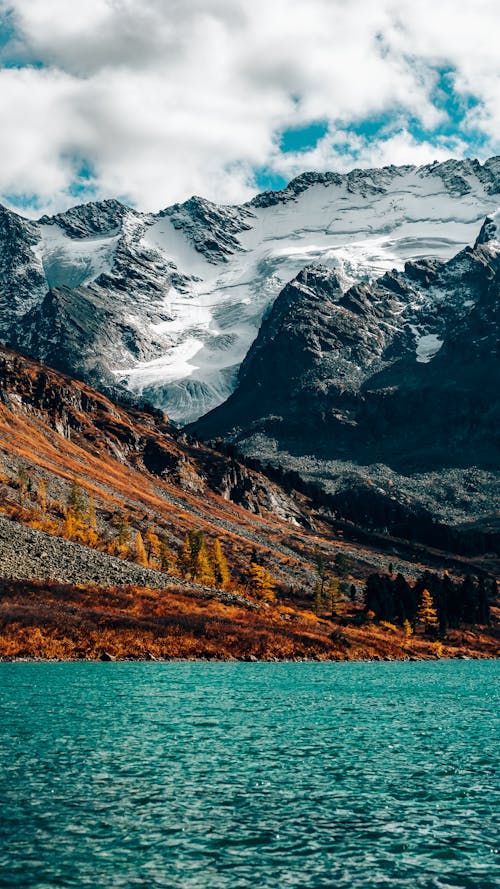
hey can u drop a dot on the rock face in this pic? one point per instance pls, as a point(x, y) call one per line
point(140, 439)
point(167, 305)
point(393, 383)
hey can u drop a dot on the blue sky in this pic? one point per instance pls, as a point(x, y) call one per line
point(455, 108)
point(152, 100)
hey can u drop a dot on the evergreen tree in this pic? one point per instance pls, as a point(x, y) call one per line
point(153, 549)
point(483, 607)
point(203, 570)
point(318, 598)
point(341, 565)
point(120, 545)
point(22, 483)
point(76, 501)
point(469, 600)
point(335, 597)
point(165, 555)
point(407, 629)
point(405, 600)
point(321, 569)
point(74, 519)
point(42, 494)
point(184, 560)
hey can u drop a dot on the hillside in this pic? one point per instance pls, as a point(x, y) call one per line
point(54, 621)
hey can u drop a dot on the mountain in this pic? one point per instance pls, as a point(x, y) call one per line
point(167, 305)
point(386, 391)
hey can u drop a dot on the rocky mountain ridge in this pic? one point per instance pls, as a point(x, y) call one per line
point(166, 305)
point(392, 382)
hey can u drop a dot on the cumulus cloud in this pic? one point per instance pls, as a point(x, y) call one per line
point(154, 100)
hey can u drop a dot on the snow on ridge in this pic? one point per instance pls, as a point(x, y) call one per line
point(359, 234)
point(69, 262)
point(360, 224)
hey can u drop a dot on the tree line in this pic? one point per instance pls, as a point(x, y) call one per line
point(434, 601)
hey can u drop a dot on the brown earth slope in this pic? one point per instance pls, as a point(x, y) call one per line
point(131, 463)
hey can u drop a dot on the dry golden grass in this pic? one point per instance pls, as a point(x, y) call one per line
point(40, 620)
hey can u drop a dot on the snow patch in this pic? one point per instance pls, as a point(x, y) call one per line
point(68, 262)
point(427, 345)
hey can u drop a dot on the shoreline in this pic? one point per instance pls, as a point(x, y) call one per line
point(250, 660)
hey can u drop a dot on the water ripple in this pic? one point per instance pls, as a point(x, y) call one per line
point(227, 776)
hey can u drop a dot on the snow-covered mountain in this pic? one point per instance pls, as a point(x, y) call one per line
point(387, 392)
point(167, 305)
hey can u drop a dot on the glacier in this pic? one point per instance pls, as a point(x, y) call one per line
point(187, 288)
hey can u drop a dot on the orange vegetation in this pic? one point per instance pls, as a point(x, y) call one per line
point(40, 620)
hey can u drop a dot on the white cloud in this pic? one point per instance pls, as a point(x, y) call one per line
point(342, 151)
point(165, 98)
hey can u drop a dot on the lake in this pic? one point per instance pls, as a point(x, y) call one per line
point(233, 775)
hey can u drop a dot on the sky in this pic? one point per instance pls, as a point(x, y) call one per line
point(152, 101)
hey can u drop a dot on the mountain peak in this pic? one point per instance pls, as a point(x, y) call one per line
point(490, 230)
point(91, 219)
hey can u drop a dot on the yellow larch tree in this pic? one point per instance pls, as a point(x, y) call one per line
point(141, 556)
point(185, 557)
point(260, 582)
point(222, 575)
point(153, 549)
point(426, 612)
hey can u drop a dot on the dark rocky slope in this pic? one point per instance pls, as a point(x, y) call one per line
point(394, 382)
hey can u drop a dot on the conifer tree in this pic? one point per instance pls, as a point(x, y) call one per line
point(153, 549)
point(141, 556)
point(318, 598)
point(22, 481)
point(201, 566)
point(321, 569)
point(71, 526)
point(42, 494)
point(120, 545)
point(90, 534)
point(73, 513)
point(260, 582)
point(123, 530)
point(335, 597)
point(341, 565)
point(165, 555)
point(222, 575)
point(426, 613)
point(75, 502)
point(203, 570)
point(185, 557)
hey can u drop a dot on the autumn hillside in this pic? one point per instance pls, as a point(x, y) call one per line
point(97, 495)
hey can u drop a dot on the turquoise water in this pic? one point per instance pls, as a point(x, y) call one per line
point(152, 776)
